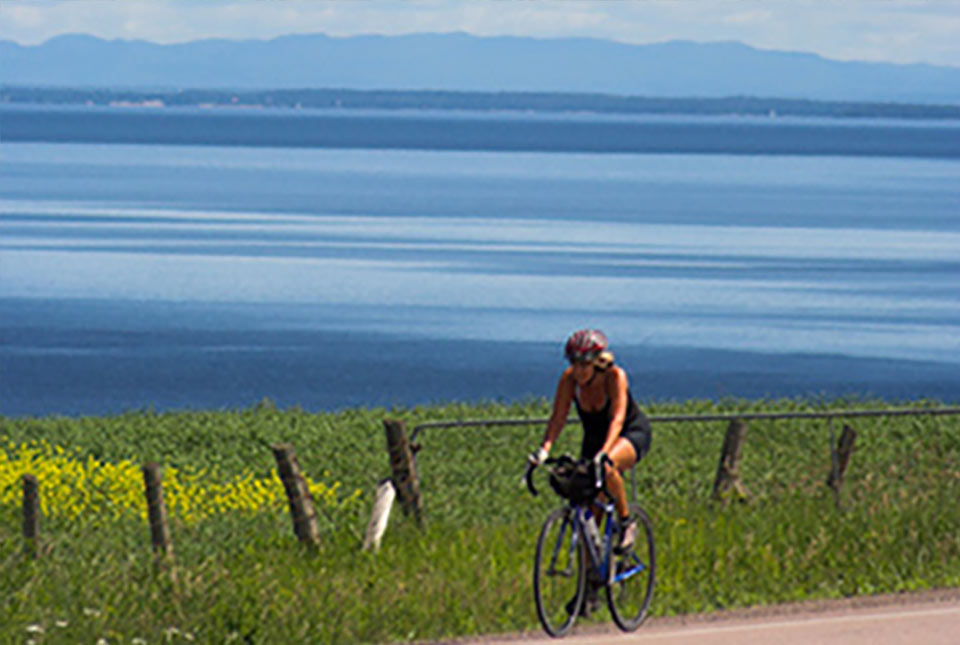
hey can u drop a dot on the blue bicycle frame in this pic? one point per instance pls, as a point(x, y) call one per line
point(599, 561)
point(594, 564)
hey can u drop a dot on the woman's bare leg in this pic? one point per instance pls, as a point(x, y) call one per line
point(623, 457)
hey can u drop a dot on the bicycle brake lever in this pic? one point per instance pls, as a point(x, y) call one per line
point(601, 480)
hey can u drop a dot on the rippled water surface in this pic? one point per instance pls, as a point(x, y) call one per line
point(204, 276)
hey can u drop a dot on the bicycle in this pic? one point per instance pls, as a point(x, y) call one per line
point(570, 540)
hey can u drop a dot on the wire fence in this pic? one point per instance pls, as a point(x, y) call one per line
point(468, 473)
point(683, 418)
point(797, 438)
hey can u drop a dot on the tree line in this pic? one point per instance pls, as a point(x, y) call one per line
point(479, 101)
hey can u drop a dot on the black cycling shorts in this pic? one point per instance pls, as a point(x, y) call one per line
point(639, 437)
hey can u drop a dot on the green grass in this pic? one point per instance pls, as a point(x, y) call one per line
point(244, 579)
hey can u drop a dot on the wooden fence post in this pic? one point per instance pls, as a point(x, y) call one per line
point(157, 512)
point(841, 459)
point(301, 502)
point(31, 516)
point(404, 468)
point(728, 470)
point(380, 515)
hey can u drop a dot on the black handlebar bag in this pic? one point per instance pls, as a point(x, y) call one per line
point(574, 481)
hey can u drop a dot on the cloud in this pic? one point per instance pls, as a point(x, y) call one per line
point(748, 18)
point(24, 18)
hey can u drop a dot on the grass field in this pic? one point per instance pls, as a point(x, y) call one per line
point(240, 576)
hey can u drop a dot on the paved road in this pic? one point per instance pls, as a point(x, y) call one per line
point(908, 623)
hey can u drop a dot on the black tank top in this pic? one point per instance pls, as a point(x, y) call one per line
point(596, 423)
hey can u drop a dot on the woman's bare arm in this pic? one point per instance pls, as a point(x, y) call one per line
point(561, 408)
point(617, 392)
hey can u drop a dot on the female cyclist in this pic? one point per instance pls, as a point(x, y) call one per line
point(613, 424)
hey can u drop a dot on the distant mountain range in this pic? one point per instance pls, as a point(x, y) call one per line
point(461, 62)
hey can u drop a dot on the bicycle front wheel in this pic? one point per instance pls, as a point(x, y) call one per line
point(559, 573)
point(630, 587)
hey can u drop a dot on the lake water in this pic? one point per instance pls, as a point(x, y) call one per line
point(162, 275)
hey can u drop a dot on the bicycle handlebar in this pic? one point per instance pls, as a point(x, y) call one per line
point(528, 477)
point(599, 479)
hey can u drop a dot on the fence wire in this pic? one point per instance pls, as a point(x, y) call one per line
point(796, 456)
point(683, 418)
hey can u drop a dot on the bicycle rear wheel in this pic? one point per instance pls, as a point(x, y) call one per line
point(632, 574)
point(559, 573)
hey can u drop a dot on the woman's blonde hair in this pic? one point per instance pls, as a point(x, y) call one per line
point(604, 360)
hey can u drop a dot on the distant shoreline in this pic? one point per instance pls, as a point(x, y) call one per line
point(540, 102)
point(504, 132)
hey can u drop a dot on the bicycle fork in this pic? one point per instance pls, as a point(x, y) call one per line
point(568, 572)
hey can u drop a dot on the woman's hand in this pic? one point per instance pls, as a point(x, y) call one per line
point(538, 457)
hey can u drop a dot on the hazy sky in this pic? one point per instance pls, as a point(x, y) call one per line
point(903, 31)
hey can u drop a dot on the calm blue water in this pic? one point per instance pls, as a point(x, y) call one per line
point(206, 276)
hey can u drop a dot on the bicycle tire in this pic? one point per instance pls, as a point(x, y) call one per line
point(559, 573)
point(629, 598)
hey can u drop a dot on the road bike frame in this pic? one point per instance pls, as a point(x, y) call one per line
point(577, 519)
